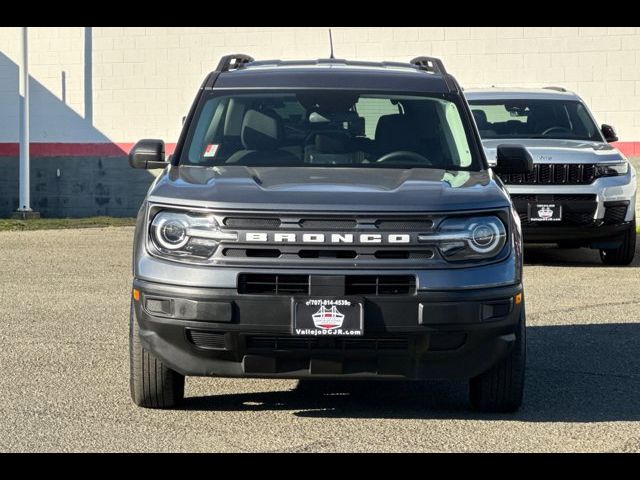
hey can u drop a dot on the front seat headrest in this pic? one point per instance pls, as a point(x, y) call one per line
point(261, 131)
point(481, 118)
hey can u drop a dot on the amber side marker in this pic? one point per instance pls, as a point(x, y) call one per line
point(136, 295)
point(518, 298)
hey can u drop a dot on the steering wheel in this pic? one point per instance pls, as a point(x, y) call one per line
point(551, 129)
point(413, 157)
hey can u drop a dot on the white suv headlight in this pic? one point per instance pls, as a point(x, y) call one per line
point(612, 169)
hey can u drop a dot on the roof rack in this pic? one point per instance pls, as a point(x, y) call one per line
point(557, 89)
point(233, 61)
point(429, 64)
point(328, 61)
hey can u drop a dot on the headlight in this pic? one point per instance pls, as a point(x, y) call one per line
point(612, 169)
point(188, 235)
point(469, 238)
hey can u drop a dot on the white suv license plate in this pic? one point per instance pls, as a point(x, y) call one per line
point(545, 212)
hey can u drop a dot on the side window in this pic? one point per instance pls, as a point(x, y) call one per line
point(461, 146)
point(209, 128)
point(585, 123)
point(371, 109)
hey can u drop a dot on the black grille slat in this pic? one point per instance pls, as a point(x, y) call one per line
point(559, 173)
point(207, 340)
point(268, 223)
point(576, 197)
point(544, 173)
point(317, 253)
point(251, 252)
point(400, 254)
point(588, 173)
point(574, 173)
point(328, 224)
point(404, 225)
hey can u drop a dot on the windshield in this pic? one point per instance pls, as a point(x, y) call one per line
point(329, 128)
point(564, 119)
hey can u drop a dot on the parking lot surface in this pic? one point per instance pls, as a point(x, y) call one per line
point(64, 357)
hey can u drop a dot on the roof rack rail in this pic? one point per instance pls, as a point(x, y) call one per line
point(429, 64)
point(557, 89)
point(233, 61)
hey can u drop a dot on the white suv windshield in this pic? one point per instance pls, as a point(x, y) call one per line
point(527, 118)
point(329, 128)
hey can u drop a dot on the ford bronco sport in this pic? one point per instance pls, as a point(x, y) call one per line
point(582, 191)
point(328, 219)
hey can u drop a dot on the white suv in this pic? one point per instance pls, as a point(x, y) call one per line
point(582, 191)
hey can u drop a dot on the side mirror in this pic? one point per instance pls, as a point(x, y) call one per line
point(609, 133)
point(513, 159)
point(147, 154)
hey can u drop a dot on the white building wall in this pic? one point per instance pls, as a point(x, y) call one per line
point(144, 79)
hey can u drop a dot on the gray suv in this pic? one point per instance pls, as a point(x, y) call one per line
point(582, 191)
point(328, 219)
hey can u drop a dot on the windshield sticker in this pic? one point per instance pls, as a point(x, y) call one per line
point(211, 150)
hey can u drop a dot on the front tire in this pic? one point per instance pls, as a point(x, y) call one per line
point(152, 383)
point(623, 255)
point(501, 388)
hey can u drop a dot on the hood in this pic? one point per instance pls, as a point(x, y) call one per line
point(558, 150)
point(327, 189)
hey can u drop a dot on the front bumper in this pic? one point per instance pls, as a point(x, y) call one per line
point(598, 214)
point(428, 334)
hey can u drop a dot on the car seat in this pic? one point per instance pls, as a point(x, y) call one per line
point(261, 137)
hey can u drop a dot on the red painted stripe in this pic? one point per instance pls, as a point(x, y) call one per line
point(74, 149)
point(630, 149)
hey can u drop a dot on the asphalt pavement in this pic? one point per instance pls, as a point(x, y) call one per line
point(64, 299)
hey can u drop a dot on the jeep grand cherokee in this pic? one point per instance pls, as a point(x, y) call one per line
point(582, 191)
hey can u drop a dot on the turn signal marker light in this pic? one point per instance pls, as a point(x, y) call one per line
point(136, 294)
point(518, 298)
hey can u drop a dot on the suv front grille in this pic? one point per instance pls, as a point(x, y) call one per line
point(352, 254)
point(291, 284)
point(554, 174)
